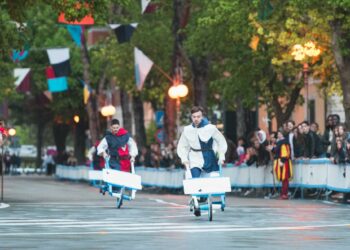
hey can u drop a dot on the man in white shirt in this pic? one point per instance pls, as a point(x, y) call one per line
point(198, 145)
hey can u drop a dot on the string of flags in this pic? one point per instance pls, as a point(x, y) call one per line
point(59, 58)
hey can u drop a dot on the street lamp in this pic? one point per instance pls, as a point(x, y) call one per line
point(12, 132)
point(300, 53)
point(177, 91)
point(107, 111)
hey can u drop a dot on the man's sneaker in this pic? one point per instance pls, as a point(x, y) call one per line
point(284, 197)
point(197, 211)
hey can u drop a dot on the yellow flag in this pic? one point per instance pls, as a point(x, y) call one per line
point(86, 94)
point(254, 43)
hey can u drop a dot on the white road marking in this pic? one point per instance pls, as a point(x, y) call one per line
point(165, 202)
point(4, 205)
point(182, 230)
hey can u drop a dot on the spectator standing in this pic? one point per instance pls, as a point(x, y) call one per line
point(282, 163)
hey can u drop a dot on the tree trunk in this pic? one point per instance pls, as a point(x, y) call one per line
point(283, 113)
point(139, 121)
point(343, 66)
point(92, 105)
point(39, 141)
point(240, 119)
point(60, 133)
point(125, 103)
point(200, 73)
point(79, 142)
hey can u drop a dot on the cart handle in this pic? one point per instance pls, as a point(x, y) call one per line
point(107, 162)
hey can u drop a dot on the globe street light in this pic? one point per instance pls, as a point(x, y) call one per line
point(177, 91)
point(300, 53)
point(12, 132)
point(107, 111)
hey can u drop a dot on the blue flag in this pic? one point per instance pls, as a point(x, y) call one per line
point(57, 84)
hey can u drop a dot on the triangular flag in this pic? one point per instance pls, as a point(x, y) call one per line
point(87, 20)
point(152, 7)
point(123, 32)
point(76, 33)
point(142, 67)
point(58, 55)
point(254, 43)
point(86, 94)
point(86, 91)
point(48, 94)
point(23, 80)
point(18, 55)
point(265, 9)
point(144, 4)
point(57, 84)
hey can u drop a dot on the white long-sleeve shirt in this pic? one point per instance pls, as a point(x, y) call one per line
point(190, 139)
point(133, 151)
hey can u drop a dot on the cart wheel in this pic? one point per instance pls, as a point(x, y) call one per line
point(210, 209)
point(120, 200)
point(191, 205)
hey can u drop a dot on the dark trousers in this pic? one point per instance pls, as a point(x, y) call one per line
point(114, 163)
point(196, 172)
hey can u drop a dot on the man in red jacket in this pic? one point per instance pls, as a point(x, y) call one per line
point(120, 147)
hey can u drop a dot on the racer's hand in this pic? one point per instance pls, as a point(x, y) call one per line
point(132, 159)
point(187, 165)
point(221, 162)
point(105, 155)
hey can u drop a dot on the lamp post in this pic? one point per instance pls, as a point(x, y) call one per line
point(302, 53)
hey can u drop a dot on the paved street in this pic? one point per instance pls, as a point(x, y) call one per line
point(48, 214)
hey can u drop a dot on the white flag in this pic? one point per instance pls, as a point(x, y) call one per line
point(142, 67)
point(144, 4)
point(58, 55)
point(20, 74)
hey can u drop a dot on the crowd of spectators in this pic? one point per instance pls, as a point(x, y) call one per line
point(305, 139)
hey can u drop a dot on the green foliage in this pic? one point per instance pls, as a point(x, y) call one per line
point(151, 132)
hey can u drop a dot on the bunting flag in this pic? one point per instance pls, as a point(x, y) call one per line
point(123, 31)
point(254, 43)
point(142, 67)
point(19, 55)
point(86, 91)
point(48, 95)
point(59, 60)
point(144, 4)
point(86, 94)
point(152, 7)
point(87, 20)
point(265, 10)
point(55, 84)
point(77, 33)
point(22, 82)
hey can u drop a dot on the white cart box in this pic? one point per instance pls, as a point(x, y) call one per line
point(203, 186)
point(120, 178)
point(95, 175)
